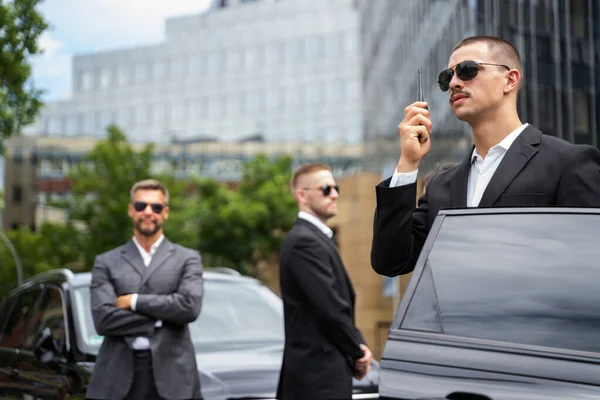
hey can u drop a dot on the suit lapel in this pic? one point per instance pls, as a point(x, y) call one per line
point(132, 255)
point(459, 183)
point(515, 159)
point(164, 251)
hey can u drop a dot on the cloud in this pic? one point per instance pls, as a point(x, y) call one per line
point(94, 25)
point(55, 61)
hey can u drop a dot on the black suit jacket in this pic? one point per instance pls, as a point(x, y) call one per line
point(321, 340)
point(537, 170)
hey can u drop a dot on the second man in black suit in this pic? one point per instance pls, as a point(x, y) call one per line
point(510, 164)
point(323, 347)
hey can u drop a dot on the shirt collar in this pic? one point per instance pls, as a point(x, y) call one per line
point(153, 248)
point(505, 143)
point(316, 222)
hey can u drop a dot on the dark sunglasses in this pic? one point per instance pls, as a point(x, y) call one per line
point(140, 206)
point(326, 189)
point(465, 71)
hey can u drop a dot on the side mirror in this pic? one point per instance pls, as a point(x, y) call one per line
point(45, 348)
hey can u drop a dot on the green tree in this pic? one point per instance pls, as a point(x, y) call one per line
point(21, 25)
point(53, 246)
point(242, 227)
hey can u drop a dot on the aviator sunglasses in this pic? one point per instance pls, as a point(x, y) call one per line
point(465, 71)
point(140, 206)
point(326, 189)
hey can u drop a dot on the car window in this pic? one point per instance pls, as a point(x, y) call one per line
point(19, 319)
point(48, 314)
point(522, 278)
point(231, 312)
point(238, 312)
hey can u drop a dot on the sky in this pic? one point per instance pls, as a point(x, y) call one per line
point(85, 26)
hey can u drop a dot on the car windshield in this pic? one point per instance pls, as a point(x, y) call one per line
point(232, 312)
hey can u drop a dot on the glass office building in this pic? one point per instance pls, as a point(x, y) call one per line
point(559, 41)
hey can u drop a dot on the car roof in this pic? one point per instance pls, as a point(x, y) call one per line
point(61, 276)
point(519, 210)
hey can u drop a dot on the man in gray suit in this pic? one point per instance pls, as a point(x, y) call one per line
point(143, 295)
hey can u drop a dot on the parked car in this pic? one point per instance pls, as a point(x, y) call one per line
point(48, 343)
point(503, 304)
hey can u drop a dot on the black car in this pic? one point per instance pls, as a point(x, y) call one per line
point(503, 304)
point(48, 343)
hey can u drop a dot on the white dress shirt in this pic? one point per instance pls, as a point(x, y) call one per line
point(140, 342)
point(316, 222)
point(480, 174)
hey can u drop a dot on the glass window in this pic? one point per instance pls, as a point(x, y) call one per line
point(123, 75)
point(49, 314)
point(231, 312)
point(86, 81)
point(579, 18)
point(547, 120)
point(581, 110)
point(523, 278)
point(20, 316)
point(105, 78)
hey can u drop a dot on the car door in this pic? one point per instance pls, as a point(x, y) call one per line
point(17, 312)
point(502, 305)
point(44, 377)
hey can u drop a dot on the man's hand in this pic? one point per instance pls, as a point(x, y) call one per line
point(363, 365)
point(124, 302)
point(414, 132)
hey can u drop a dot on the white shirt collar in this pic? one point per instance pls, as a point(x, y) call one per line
point(505, 143)
point(316, 222)
point(153, 248)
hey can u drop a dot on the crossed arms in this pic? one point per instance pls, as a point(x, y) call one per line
point(113, 316)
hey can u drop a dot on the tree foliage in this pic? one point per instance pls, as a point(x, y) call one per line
point(21, 26)
point(53, 246)
point(244, 226)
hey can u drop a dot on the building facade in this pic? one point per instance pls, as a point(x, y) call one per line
point(287, 70)
point(559, 41)
point(397, 39)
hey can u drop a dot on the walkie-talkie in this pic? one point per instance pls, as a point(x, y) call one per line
point(421, 96)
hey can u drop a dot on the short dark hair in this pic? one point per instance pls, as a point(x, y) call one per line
point(306, 169)
point(502, 50)
point(149, 184)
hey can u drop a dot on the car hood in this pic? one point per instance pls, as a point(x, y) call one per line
point(239, 373)
point(244, 373)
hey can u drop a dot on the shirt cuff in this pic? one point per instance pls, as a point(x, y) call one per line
point(403, 178)
point(133, 301)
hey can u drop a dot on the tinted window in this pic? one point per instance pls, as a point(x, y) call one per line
point(48, 314)
point(18, 320)
point(238, 312)
point(231, 312)
point(530, 279)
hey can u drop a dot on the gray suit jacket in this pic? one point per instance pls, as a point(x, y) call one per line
point(169, 289)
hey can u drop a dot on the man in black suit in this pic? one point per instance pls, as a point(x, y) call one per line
point(323, 347)
point(511, 163)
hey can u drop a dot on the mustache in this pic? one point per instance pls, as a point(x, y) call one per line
point(455, 92)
